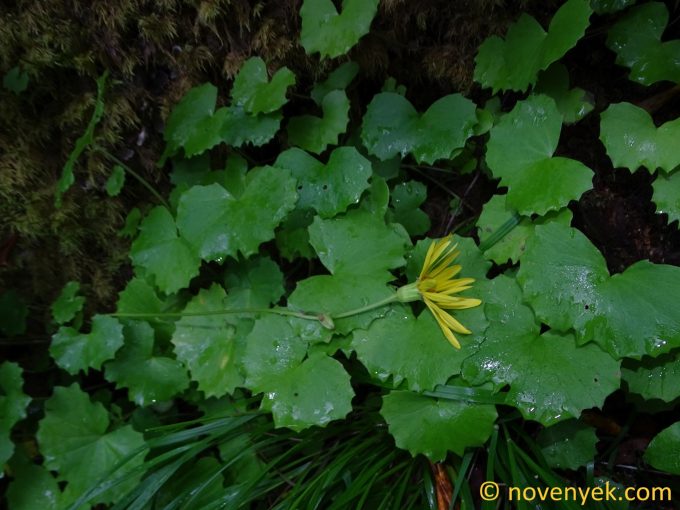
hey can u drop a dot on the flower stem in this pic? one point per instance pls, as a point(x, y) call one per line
point(372, 306)
point(500, 232)
point(276, 311)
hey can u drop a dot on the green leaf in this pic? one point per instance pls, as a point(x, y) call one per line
point(33, 487)
point(339, 79)
point(568, 445)
point(68, 304)
point(75, 351)
point(13, 402)
point(272, 349)
point(632, 140)
point(13, 313)
point(638, 317)
point(514, 63)
point(74, 440)
point(565, 279)
point(636, 40)
point(334, 295)
point(358, 244)
point(312, 393)
point(209, 344)
point(392, 126)
point(550, 377)
point(511, 247)
point(316, 133)
point(198, 484)
point(15, 80)
point(331, 188)
point(667, 195)
point(139, 297)
point(254, 283)
point(403, 347)
point(239, 128)
point(520, 153)
point(149, 379)
point(67, 179)
point(216, 224)
point(255, 93)
point(654, 378)
point(434, 427)
point(664, 451)
point(333, 34)
point(164, 254)
point(131, 223)
point(573, 104)
point(560, 273)
point(115, 181)
point(609, 6)
point(405, 200)
point(292, 237)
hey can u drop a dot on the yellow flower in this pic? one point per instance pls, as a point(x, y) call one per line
point(436, 286)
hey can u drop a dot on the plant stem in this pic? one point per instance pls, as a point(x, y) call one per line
point(276, 311)
point(391, 299)
point(134, 174)
point(500, 232)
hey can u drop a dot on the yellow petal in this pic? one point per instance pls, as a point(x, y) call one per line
point(450, 321)
point(447, 332)
point(434, 252)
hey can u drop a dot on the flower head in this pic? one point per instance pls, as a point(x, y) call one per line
point(436, 286)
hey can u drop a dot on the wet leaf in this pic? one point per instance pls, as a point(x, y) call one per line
point(513, 63)
point(608, 6)
point(254, 92)
point(338, 79)
point(664, 451)
point(331, 188)
point(68, 304)
point(435, 427)
point(75, 440)
point(632, 140)
point(13, 403)
point(520, 153)
point(33, 487)
point(573, 104)
point(636, 39)
point(149, 379)
point(406, 199)
point(216, 224)
point(74, 351)
point(392, 126)
point(314, 134)
point(163, 253)
point(654, 378)
point(667, 195)
point(568, 445)
point(253, 283)
point(331, 33)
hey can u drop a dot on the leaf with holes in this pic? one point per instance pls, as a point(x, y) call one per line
point(513, 63)
point(632, 140)
point(314, 134)
point(254, 92)
point(520, 153)
point(163, 253)
point(331, 188)
point(76, 442)
point(331, 33)
point(217, 224)
point(667, 195)
point(74, 351)
point(392, 126)
point(636, 40)
point(148, 378)
point(435, 427)
point(209, 345)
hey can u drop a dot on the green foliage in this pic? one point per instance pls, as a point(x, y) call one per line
point(68, 304)
point(13, 402)
point(331, 33)
point(392, 126)
point(314, 134)
point(13, 313)
point(15, 80)
point(654, 378)
point(632, 140)
point(667, 195)
point(33, 487)
point(255, 93)
point(432, 427)
point(405, 200)
point(607, 6)
point(636, 39)
point(74, 351)
point(513, 63)
point(664, 450)
point(573, 104)
point(568, 445)
point(114, 184)
point(76, 440)
point(520, 153)
point(338, 79)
